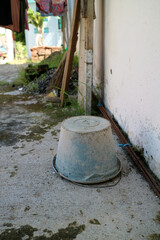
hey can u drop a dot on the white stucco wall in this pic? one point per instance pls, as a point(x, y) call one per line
point(98, 51)
point(53, 38)
point(132, 71)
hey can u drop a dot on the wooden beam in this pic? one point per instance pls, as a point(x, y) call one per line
point(89, 25)
point(84, 8)
point(63, 30)
point(71, 49)
point(86, 57)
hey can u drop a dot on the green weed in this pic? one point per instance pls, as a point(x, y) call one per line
point(3, 83)
point(32, 87)
point(21, 79)
point(21, 52)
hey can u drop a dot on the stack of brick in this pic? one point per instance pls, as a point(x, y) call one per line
point(41, 53)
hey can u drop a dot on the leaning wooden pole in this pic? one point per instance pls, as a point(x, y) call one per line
point(71, 50)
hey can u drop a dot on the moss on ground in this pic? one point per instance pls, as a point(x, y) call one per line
point(27, 232)
point(157, 219)
point(154, 236)
point(18, 234)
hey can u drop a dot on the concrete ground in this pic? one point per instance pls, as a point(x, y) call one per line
point(8, 72)
point(37, 204)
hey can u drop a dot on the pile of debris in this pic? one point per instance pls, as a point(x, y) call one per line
point(43, 79)
point(40, 84)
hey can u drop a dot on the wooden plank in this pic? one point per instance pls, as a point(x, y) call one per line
point(56, 80)
point(84, 8)
point(71, 49)
point(89, 25)
point(86, 59)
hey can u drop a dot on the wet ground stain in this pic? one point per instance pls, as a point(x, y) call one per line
point(35, 118)
point(8, 138)
point(27, 232)
point(34, 133)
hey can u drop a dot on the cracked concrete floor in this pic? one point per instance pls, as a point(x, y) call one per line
point(32, 194)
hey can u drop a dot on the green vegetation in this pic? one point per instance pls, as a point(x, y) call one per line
point(32, 87)
point(20, 37)
point(54, 59)
point(37, 20)
point(3, 83)
point(21, 52)
point(53, 62)
point(20, 48)
point(21, 80)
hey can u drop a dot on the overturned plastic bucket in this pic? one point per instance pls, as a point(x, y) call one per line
point(86, 152)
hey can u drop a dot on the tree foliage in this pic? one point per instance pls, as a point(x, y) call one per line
point(35, 19)
point(20, 37)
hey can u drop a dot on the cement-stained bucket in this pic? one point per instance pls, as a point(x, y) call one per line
point(86, 152)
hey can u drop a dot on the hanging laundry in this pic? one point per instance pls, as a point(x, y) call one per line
point(5, 16)
point(57, 7)
point(17, 15)
point(44, 5)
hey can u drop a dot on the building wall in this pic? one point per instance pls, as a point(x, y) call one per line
point(68, 22)
point(131, 38)
point(52, 38)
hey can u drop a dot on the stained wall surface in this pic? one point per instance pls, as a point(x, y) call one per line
point(131, 70)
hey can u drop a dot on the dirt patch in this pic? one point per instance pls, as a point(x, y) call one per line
point(94, 221)
point(27, 208)
point(157, 219)
point(154, 237)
